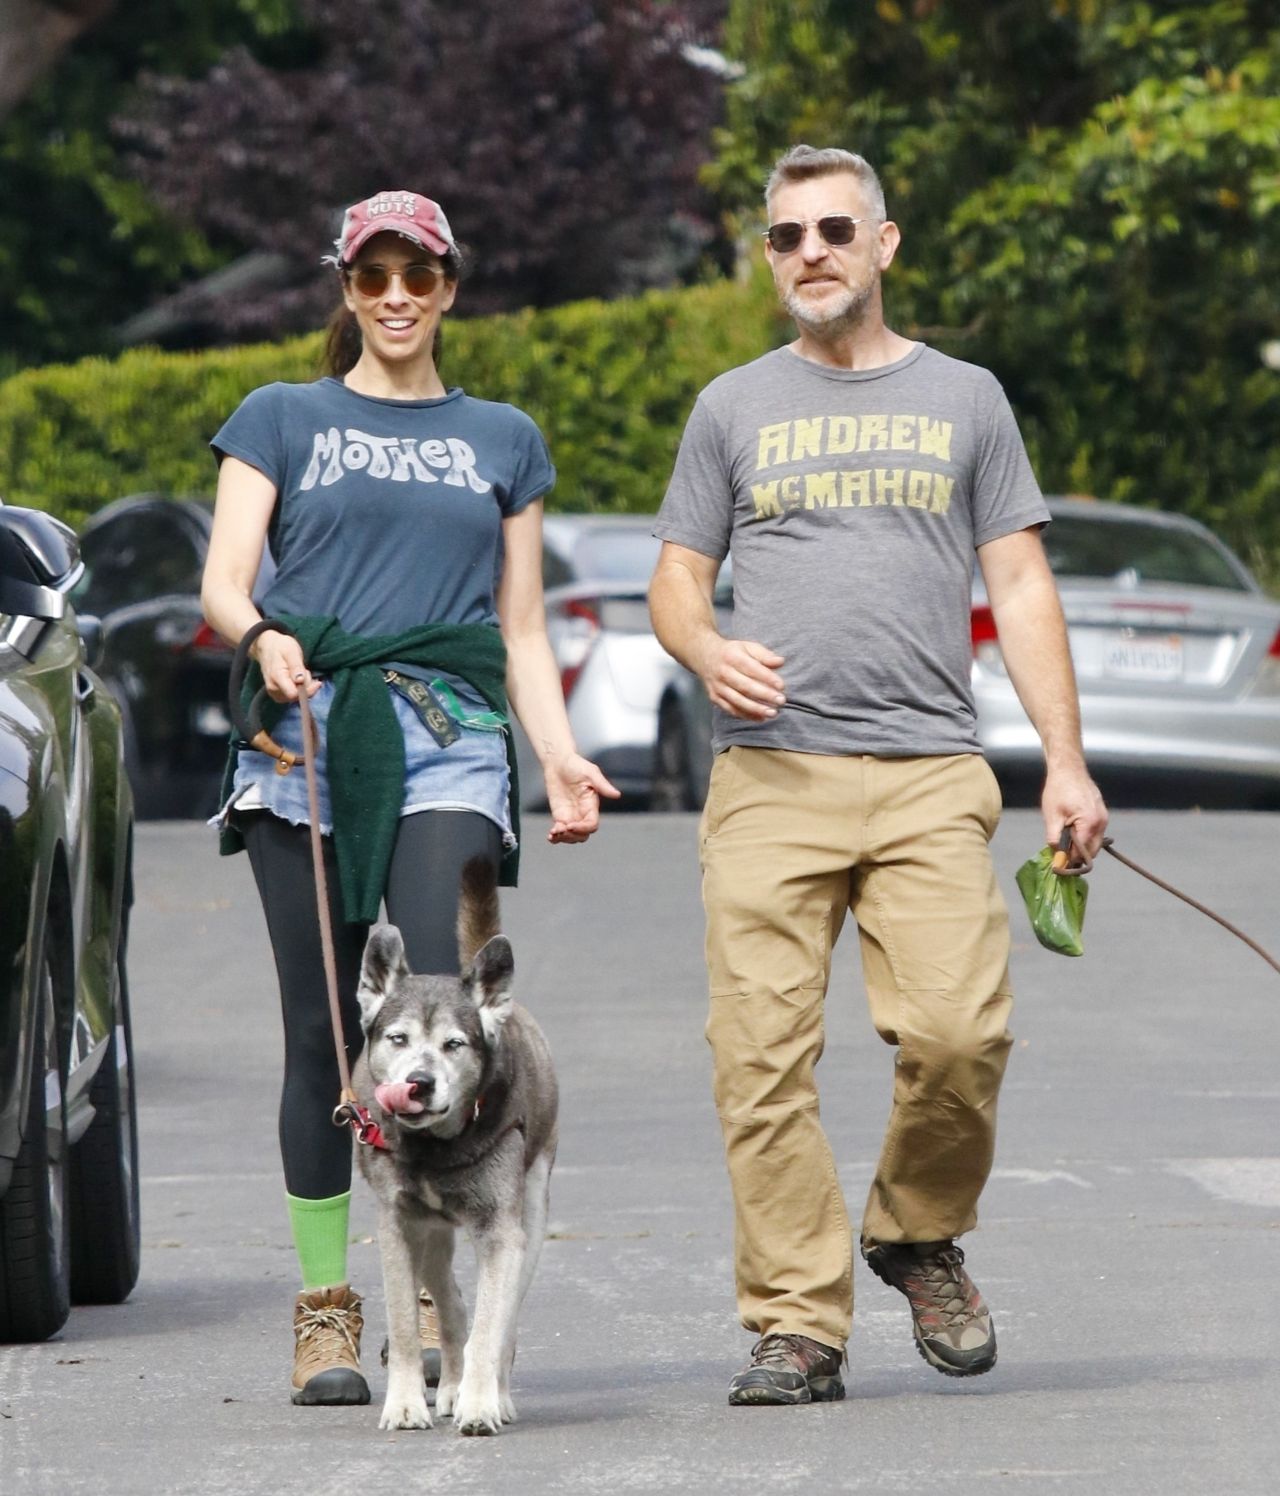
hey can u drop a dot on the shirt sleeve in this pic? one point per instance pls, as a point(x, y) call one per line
point(697, 510)
point(252, 433)
point(1006, 496)
point(535, 473)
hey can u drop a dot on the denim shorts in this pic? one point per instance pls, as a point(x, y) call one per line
point(470, 774)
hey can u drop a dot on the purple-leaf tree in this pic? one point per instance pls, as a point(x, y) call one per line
point(563, 137)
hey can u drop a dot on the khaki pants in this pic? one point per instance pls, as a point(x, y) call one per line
point(789, 842)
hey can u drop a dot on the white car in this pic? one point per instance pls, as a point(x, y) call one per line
point(596, 568)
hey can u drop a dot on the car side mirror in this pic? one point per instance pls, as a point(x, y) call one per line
point(39, 563)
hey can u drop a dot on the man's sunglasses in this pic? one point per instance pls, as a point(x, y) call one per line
point(837, 229)
point(372, 280)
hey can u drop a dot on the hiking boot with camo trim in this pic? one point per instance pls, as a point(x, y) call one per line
point(788, 1369)
point(326, 1350)
point(952, 1324)
point(428, 1335)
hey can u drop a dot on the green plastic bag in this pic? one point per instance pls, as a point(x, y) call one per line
point(1055, 904)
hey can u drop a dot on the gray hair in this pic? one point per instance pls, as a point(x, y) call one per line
point(803, 162)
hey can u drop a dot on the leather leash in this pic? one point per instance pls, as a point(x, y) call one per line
point(348, 1111)
point(1067, 869)
point(1107, 846)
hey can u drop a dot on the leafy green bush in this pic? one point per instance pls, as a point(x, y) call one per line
point(610, 384)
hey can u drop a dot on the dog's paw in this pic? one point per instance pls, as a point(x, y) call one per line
point(508, 1407)
point(446, 1398)
point(477, 1415)
point(405, 1412)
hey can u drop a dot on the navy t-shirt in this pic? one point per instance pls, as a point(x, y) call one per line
point(389, 512)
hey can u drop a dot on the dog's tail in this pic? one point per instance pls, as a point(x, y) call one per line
point(477, 908)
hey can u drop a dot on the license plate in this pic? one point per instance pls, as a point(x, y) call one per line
point(1144, 657)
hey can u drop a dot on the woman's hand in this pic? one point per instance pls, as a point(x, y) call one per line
point(283, 671)
point(574, 788)
point(574, 784)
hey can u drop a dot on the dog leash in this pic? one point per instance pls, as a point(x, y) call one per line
point(1109, 847)
point(1067, 869)
point(348, 1111)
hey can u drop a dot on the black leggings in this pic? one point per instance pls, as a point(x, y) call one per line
point(421, 898)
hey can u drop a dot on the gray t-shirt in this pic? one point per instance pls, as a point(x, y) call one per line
point(851, 502)
point(389, 512)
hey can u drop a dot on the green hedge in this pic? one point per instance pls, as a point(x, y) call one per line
point(610, 384)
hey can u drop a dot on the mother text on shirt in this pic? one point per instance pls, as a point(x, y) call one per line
point(397, 458)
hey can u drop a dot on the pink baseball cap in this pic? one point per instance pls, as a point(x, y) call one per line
point(407, 213)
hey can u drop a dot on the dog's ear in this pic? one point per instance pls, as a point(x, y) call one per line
point(382, 968)
point(489, 980)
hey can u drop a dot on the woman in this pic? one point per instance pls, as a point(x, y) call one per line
point(405, 519)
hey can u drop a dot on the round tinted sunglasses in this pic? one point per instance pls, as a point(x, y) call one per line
point(373, 280)
point(837, 229)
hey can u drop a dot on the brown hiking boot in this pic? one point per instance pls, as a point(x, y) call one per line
point(429, 1335)
point(788, 1369)
point(326, 1350)
point(952, 1324)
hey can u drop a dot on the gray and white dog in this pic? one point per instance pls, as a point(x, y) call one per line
point(460, 1080)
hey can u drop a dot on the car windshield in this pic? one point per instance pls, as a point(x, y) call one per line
point(1078, 546)
point(135, 557)
point(616, 556)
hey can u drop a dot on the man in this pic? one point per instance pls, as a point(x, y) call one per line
point(853, 475)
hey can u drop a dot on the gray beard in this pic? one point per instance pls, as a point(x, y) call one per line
point(832, 320)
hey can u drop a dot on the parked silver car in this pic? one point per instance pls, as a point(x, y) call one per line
point(1177, 657)
point(1176, 651)
point(596, 569)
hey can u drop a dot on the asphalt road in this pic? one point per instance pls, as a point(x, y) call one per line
point(1129, 1244)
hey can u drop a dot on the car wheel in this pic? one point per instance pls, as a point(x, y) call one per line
point(672, 772)
point(34, 1223)
point(105, 1229)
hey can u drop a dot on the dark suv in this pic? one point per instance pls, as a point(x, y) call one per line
point(68, 1134)
point(166, 668)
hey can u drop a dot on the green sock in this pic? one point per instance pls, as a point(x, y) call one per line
point(320, 1236)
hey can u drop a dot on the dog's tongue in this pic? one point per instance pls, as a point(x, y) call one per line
point(397, 1096)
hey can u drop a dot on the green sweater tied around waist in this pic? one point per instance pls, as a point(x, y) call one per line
point(365, 747)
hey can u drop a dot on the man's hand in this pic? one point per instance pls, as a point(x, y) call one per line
point(574, 787)
point(742, 678)
point(1072, 799)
